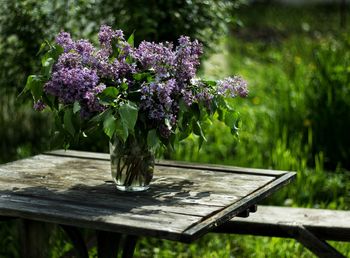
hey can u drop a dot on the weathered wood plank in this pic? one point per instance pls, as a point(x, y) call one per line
point(237, 207)
point(165, 225)
point(267, 221)
point(173, 189)
point(200, 203)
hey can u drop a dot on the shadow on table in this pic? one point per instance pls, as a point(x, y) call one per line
point(107, 198)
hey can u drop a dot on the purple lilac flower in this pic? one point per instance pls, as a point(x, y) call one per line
point(188, 96)
point(106, 35)
point(64, 40)
point(164, 92)
point(158, 57)
point(39, 105)
point(121, 68)
point(101, 63)
point(232, 86)
point(157, 100)
point(126, 50)
point(85, 49)
point(187, 58)
point(69, 60)
point(71, 85)
point(158, 96)
point(91, 99)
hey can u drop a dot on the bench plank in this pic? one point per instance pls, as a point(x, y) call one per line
point(268, 221)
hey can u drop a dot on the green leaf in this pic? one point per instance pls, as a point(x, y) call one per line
point(76, 107)
point(183, 134)
point(221, 114)
point(167, 123)
point(152, 139)
point(131, 40)
point(195, 110)
point(51, 101)
point(47, 67)
point(140, 76)
point(210, 83)
point(68, 123)
point(29, 82)
point(47, 61)
point(43, 46)
point(55, 51)
point(57, 140)
point(108, 95)
point(197, 129)
point(111, 92)
point(109, 125)
point(232, 120)
point(35, 85)
point(124, 86)
point(222, 103)
point(172, 140)
point(128, 114)
point(121, 130)
point(100, 117)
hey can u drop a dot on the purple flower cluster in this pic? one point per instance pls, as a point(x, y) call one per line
point(157, 56)
point(107, 34)
point(187, 59)
point(173, 70)
point(166, 76)
point(232, 87)
point(64, 40)
point(79, 72)
point(73, 84)
point(158, 101)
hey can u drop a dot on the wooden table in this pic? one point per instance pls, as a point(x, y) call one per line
point(185, 200)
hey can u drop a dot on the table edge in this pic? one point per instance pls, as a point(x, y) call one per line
point(173, 163)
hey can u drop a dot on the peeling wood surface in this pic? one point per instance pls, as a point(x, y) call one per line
point(184, 202)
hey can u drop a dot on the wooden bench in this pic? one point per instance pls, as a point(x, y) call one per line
point(310, 227)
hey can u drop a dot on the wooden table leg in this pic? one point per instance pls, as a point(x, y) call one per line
point(107, 244)
point(318, 246)
point(77, 240)
point(34, 238)
point(129, 246)
point(110, 244)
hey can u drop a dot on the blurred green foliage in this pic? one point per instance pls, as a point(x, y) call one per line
point(328, 102)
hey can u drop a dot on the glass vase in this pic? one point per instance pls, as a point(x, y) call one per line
point(132, 164)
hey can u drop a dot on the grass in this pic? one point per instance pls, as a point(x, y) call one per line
point(274, 51)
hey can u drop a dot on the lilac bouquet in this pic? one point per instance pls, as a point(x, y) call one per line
point(147, 96)
point(152, 86)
